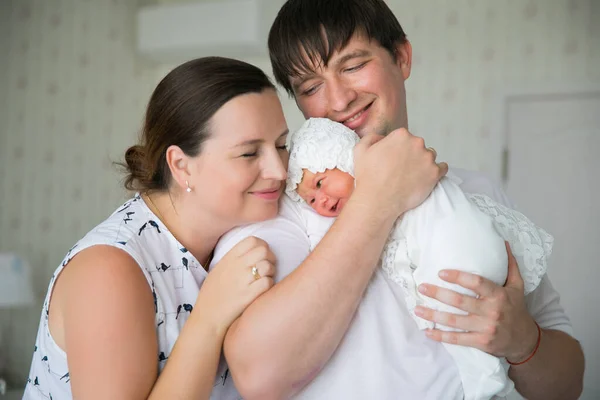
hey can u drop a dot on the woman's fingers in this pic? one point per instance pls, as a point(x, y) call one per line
point(265, 268)
point(248, 244)
point(259, 253)
point(262, 269)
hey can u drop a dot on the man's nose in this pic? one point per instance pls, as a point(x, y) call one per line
point(339, 95)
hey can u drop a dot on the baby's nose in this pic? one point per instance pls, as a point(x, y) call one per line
point(327, 202)
point(321, 199)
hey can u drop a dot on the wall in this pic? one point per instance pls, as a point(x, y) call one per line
point(72, 95)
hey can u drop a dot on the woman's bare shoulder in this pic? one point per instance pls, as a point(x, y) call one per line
point(97, 279)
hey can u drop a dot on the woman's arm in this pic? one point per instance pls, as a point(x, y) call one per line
point(106, 317)
point(225, 293)
point(184, 377)
point(104, 320)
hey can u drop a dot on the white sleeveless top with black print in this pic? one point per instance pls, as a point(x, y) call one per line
point(174, 275)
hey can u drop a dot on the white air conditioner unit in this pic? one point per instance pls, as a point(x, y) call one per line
point(174, 33)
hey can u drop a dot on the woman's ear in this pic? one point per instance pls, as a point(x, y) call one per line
point(404, 58)
point(179, 164)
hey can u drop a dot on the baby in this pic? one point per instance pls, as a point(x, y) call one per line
point(450, 230)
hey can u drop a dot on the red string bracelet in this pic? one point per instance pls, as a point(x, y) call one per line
point(537, 346)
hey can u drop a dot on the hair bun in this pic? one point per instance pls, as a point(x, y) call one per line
point(136, 168)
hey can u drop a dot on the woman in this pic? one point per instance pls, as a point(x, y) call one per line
point(133, 297)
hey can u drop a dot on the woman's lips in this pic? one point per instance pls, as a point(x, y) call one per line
point(272, 194)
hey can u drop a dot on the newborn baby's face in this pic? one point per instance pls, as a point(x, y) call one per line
point(326, 192)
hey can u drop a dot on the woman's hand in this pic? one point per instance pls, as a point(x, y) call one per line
point(227, 290)
point(231, 285)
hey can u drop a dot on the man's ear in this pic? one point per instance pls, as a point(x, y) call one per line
point(179, 165)
point(404, 58)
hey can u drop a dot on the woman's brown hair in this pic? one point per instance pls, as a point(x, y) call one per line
point(179, 113)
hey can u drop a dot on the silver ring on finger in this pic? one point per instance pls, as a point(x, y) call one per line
point(255, 273)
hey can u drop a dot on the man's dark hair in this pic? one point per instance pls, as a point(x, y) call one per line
point(308, 32)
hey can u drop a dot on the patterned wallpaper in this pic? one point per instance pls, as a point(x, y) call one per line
point(468, 52)
point(72, 98)
point(72, 95)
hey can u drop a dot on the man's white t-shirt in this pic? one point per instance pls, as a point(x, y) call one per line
point(384, 355)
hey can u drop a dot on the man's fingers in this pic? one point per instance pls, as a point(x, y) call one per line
point(443, 169)
point(433, 152)
point(461, 301)
point(369, 140)
point(478, 284)
point(471, 323)
point(365, 143)
point(514, 278)
point(469, 339)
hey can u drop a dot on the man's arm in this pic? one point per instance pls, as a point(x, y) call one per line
point(286, 336)
point(502, 322)
point(556, 371)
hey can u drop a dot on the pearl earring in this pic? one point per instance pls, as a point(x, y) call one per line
point(189, 189)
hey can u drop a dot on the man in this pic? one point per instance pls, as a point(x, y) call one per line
point(334, 327)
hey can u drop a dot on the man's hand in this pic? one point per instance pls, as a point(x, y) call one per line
point(395, 172)
point(497, 322)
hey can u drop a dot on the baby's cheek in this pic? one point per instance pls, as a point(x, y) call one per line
point(349, 188)
point(320, 211)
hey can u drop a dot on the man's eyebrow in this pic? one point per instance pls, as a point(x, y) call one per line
point(349, 56)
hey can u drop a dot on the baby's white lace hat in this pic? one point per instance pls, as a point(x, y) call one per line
point(319, 144)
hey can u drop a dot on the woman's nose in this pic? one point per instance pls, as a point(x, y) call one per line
point(273, 167)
